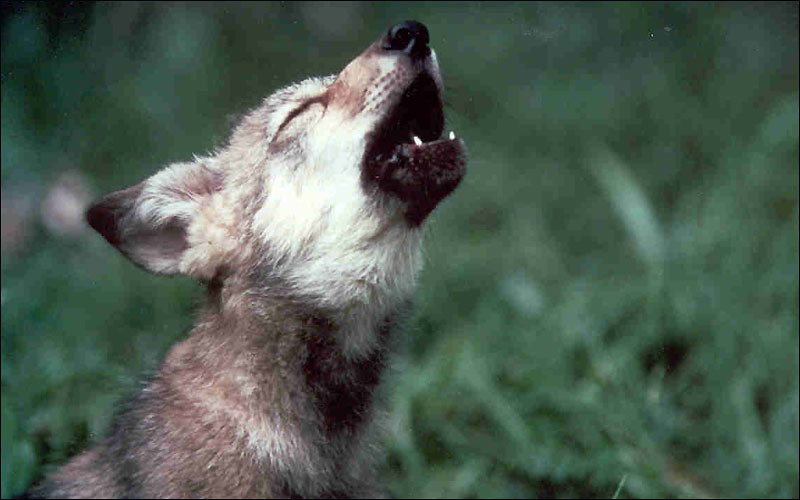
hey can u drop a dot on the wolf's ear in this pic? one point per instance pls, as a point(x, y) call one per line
point(171, 223)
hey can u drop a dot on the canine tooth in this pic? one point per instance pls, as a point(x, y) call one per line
point(452, 135)
point(417, 141)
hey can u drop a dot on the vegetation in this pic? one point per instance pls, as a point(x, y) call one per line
point(610, 299)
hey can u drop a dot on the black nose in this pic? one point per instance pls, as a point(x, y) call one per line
point(410, 37)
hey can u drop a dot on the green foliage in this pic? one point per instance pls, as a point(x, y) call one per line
point(612, 292)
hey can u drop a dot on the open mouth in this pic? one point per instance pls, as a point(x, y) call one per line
point(406, 155)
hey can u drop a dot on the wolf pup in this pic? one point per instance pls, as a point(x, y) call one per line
point(306, 231)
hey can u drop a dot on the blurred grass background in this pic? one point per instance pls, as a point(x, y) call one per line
point(610, 299)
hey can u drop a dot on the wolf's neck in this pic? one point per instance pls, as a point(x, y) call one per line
point(356, 285)
point(276, 370)
point(353, 256)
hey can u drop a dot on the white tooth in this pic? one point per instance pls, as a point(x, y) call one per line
point(452, 135)
point(417, 141)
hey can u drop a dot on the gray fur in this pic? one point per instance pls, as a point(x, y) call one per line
point(306, 231)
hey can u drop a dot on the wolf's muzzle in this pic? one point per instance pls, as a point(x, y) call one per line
point(406, 155)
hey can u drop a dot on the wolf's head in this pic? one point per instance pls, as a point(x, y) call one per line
point(322, 189)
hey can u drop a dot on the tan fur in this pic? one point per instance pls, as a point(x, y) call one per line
point(306, 230)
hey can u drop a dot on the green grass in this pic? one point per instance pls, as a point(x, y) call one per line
point(609, 305)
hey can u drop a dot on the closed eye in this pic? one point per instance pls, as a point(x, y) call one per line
point(321, 99)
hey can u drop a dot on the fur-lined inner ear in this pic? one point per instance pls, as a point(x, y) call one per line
point(150, 222)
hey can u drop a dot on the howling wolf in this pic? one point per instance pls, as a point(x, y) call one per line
point(306, 231)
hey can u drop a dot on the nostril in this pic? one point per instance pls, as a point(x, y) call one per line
point(410, 37)
point(400, 37)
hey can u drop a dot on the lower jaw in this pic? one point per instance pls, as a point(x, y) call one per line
point(423, 175)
